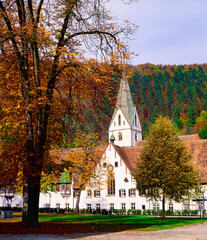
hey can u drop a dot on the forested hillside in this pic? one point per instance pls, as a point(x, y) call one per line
point(179, 92)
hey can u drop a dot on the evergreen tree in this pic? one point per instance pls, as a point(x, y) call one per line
point(191, 115)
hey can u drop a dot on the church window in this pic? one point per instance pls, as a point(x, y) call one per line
point(88, 206)
point(111, 186)
point(123, 206)
point(97, 193)
point(133, 206)
point(132, 192)
point(119, 120)
point(170, 206)
point(120, 136)
point(98, 206)
point(122, 193)
point(136, 137)
point(111, 206)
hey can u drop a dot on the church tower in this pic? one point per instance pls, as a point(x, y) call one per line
point(125, 128)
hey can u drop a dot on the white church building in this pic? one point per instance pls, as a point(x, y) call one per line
point(119, 157)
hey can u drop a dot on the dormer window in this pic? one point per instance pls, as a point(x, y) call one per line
point(119, 120)
point(120, 136)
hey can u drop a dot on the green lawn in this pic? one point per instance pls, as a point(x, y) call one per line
point(66, 223)
point(143, 223)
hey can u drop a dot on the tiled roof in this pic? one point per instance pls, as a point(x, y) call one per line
point(130, 155)
point(198, 148)
point(60, 155)
point(199, 153)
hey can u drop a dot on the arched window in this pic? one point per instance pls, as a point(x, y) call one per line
point(111, 185)
point(119, 120)
point(119, 136)
point(136, 137)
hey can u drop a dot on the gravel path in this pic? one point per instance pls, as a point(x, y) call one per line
point(193, 232)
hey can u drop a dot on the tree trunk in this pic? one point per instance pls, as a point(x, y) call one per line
point(31, 202)
point(163, 208)
point(78, 201)
point(31, 180)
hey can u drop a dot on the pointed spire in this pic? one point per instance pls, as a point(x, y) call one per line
point(124, 99)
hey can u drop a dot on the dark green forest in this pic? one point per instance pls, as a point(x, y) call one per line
point(179, 92)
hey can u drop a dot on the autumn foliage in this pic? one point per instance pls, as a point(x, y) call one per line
point(83, 164)
point(44, 77)
point(166, 164)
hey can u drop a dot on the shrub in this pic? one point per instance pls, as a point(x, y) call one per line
point(203, 133)
point(186, 212)
point(105, 211)
point(169, 212)
point(83, 211)
point(177, 213)
point(149, 212)
point(88, 211)
point(138, 212)
point(144, 212)
point(194, 212)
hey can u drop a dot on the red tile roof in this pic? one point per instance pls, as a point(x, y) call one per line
point(198, 148)
point(130, 155)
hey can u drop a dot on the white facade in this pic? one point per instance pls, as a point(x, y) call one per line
point(125, 134)
point(124, 197)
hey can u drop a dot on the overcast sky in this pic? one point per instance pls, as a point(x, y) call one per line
point(170, 31)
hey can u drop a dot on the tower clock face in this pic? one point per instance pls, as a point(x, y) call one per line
point(110, 168)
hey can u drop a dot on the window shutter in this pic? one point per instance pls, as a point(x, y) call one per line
point(130, 192)
point(94, 193)
point(119, 193)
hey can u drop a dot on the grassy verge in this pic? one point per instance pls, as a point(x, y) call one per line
point(63, 223)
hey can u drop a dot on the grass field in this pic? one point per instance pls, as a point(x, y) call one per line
point(63, 223)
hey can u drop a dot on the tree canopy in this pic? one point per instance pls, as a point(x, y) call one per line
point(45, 78)
point(166, 164)
point(83, 164)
